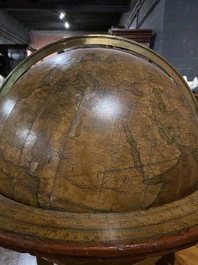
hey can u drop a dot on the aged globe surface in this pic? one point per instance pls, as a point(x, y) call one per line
point(97, 130)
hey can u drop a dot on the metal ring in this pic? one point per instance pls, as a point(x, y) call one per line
point(97, 39)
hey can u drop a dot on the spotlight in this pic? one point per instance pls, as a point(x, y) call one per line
point(66, 25)
point(62, 15)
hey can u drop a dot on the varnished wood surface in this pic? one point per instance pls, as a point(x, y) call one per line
point(99, 160)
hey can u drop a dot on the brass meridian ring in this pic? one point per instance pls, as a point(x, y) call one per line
point(99, 39)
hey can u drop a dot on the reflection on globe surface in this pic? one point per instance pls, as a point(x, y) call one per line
point(97, 130)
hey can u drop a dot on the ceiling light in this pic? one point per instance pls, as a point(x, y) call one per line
point(62, 15)
point(66, 25)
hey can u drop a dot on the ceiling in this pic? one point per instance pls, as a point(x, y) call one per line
point(83, 16)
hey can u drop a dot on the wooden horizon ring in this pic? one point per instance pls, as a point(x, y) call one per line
point(42, 231)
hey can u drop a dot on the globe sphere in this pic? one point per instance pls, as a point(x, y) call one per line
point(97, 130)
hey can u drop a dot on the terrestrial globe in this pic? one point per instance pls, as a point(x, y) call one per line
point(99, 154)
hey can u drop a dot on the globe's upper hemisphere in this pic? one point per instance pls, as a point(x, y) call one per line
point(97, 130)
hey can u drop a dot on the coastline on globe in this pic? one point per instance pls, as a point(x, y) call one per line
point(97, 130)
